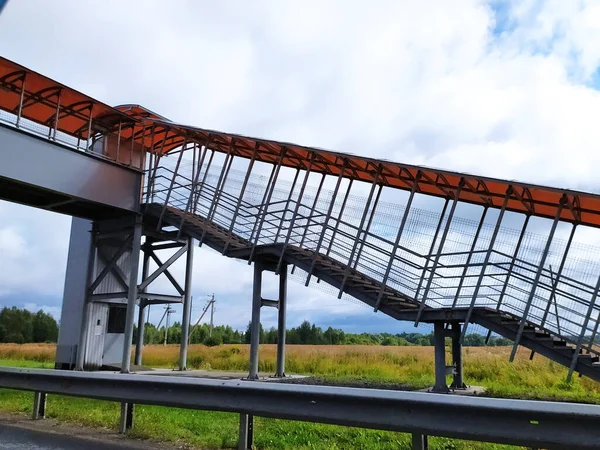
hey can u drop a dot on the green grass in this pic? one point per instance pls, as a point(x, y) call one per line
point(213, 430)
point(25, 363)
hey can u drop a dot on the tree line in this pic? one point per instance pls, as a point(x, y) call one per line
point(22, 326)
point(310, 334)
point(305, 334)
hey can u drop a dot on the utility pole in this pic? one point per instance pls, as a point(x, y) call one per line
point(208, 305)
point(212, 314)
point(168, 312)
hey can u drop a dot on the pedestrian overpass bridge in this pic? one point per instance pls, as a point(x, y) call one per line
point(415, 243)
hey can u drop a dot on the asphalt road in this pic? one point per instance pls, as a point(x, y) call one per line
point(16, 438)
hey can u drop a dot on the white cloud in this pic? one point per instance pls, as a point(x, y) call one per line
point(438, 83)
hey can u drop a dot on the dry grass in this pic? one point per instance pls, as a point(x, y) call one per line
point(28, 352)
point(485, 366)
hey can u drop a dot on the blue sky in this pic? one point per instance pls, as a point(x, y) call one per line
point(505, 89)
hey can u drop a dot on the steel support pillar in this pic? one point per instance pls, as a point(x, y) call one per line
point(187, 306)
point(439, 337)
point(87, 304)
point(132, 295)
point(126, 421)
point(458, 382)
point(246, 434)
point(139, 338)
point(419, 442)
point(282, 306)
point(39, 405)
point(255, 325)
point(139, 342)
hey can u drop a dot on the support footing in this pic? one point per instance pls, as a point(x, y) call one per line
point(441, 369)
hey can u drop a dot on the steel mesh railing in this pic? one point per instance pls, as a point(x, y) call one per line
point(563, 305)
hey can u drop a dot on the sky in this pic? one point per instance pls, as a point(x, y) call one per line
point(507, 89)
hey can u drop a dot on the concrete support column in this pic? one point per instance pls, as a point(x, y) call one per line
point(419, 442)
point(458, 382)
point(139, 344)
point(187, 305)
point(440, 357)
point(255, 325)
point(132, 295)
point(281, 322)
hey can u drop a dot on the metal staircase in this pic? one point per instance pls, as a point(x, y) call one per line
point(247, 231)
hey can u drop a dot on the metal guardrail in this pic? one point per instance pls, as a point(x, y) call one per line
point(519, 422)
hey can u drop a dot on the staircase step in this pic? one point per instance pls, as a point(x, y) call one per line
point(507, 321)
point(565, 350)
point(530, 330)
point(588, 358)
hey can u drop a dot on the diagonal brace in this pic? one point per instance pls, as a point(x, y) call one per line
point(162, 268)
point(110, 264)
point(116, 270)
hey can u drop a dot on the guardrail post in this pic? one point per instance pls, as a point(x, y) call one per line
point(39, 405)
point(246, 435)
point(280, 372)
point(126, 419)
point(419, 442)
point(255, 325)
point(439, 338)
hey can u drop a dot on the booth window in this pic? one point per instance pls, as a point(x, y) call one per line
point(116, 319)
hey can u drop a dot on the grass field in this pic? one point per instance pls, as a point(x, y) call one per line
point(410, 366)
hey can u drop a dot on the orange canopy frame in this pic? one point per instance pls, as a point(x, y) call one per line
point(43, 97)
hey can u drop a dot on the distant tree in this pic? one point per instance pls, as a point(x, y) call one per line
point(21, 326)
point(388, 341)
point(304, 332)
point(17, 325)
point(333, 336)
point(248, 333)
point(474, 340)
point(44, 328)
point(213, 341)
